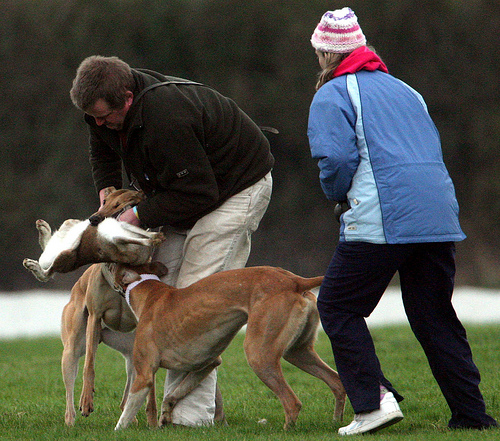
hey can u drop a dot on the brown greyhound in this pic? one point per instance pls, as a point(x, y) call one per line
point(96, 313)
point(188, 329)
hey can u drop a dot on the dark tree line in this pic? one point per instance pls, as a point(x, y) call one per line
point(258, 53)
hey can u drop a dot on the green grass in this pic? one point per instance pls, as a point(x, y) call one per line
point(32, 397)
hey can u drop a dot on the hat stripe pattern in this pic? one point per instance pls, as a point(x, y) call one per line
point(339, 32)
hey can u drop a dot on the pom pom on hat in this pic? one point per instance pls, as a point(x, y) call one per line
point(338, 32)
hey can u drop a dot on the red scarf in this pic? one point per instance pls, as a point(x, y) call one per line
point(361, 58)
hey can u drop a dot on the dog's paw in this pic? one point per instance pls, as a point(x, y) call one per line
point(69, 417)
point(167, 407)
point(86, 406)
point(165, 420)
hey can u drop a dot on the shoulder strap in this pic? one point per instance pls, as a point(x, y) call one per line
point(190, 83)
point(164, 83)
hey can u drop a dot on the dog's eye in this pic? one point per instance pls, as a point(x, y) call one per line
point(104, 202)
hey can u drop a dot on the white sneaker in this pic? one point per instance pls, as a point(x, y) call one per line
point(388, 414)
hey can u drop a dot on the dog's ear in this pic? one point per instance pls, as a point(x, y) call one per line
point(128, 276)
point(158, 268)
point(108, 191)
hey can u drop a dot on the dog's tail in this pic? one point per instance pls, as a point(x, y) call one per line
point(303, 283)
point(310, 283)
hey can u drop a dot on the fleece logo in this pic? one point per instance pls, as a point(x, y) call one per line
point(182, 173)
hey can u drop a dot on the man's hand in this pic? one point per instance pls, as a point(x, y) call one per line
point(130, 217)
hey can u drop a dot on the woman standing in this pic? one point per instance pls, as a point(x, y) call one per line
point(380, 157)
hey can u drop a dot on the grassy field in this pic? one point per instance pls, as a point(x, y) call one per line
point(32, 397)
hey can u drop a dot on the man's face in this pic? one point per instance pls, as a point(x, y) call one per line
point(111, 118)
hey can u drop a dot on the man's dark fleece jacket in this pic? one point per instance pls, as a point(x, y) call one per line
point(187, 146)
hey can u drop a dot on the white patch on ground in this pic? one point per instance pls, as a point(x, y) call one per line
point(38, 313)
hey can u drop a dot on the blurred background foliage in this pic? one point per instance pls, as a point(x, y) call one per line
point(258, 53)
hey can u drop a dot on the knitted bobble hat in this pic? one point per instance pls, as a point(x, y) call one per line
point(338, 32)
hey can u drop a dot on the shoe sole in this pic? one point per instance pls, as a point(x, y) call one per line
point(396, 419)
point(393, 420)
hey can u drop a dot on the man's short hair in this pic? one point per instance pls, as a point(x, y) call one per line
point(98, 77)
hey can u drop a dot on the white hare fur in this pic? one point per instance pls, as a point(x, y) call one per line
point(78, 243)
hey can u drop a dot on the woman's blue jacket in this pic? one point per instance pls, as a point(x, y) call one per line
point(379, 150)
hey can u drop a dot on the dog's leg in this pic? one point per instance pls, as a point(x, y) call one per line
point(220, 416)
point(151, 410)
point(73, 338)
point(303, 355)
point(190, 381)
point(129, 368)
point(124, 343)
point(44, 233)
point(69, 367)
point(267, 366)
point(93, 339)
point(308, 360)
point(140, 389)
point(265, 349)
point(134, 403)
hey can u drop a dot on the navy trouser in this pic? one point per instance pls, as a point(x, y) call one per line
point(356, 279)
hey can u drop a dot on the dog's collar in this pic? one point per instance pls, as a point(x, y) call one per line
point(132, 285)
point(123, 210)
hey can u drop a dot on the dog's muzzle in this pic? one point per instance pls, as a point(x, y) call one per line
point(96, 219)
